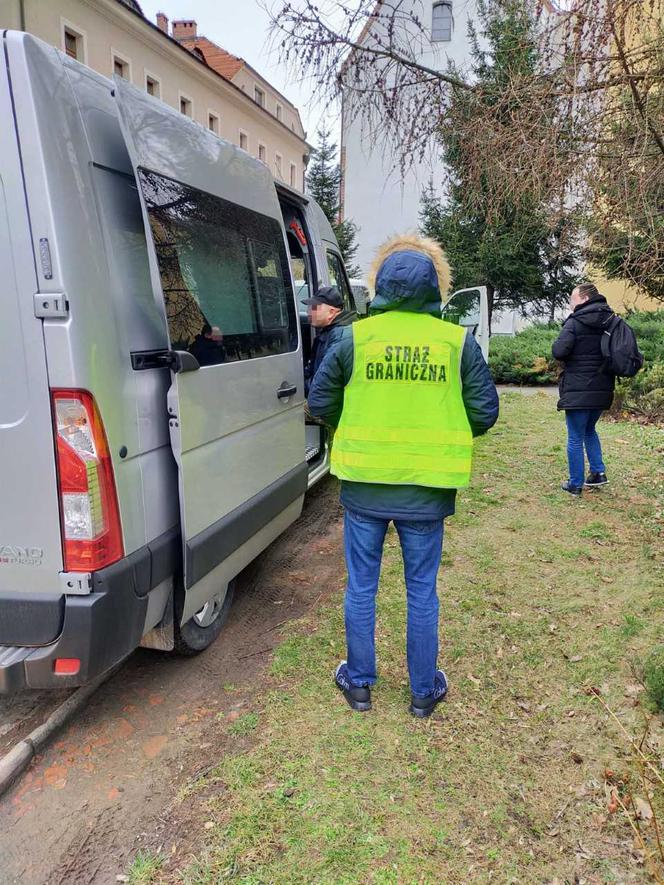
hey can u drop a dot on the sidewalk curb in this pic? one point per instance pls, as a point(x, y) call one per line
point(16, 760)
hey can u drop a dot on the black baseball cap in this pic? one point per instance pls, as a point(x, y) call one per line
point(327, 295)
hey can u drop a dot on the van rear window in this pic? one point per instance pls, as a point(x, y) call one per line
point(224, 274)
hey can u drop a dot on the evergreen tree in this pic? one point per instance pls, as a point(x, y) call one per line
point(491, 237)
point(323, 183)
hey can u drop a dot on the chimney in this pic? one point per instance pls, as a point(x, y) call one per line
point(162, 22)
point(184, 28)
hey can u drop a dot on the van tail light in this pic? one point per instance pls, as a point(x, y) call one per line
point(91, 528)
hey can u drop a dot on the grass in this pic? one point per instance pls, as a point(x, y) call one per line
point(145, 868)
point(542, 597)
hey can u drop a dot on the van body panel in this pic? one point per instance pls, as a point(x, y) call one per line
point(232, 436)
point(208, 464)
point(30, 544)
point(240, 558)
point(89, 213)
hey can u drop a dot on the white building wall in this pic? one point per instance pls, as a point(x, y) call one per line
point(376, 197)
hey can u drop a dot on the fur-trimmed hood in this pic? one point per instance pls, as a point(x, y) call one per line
point(409, 273)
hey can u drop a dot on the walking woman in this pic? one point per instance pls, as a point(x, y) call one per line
point(585, 390)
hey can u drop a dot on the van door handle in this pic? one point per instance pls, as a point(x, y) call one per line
point(285, 392)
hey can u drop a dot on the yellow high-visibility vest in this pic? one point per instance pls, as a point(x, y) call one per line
point(403, 419)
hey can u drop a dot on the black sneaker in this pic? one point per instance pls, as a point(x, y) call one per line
point(596, 479)
point(572, 490)
point(423, 707)
point(358, 696)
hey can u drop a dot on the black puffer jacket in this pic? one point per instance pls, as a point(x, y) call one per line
point(583, 384)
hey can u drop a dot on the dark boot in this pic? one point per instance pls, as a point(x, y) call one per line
point(423, 707)
point(357, 696)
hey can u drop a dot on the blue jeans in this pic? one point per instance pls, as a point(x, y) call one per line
point(581, 432)
point(422, 545)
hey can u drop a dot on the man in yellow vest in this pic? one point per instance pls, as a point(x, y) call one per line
point(407, 393)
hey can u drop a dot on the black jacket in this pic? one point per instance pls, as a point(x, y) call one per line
point(324, 338)
point(418, 294)
point(583, 384)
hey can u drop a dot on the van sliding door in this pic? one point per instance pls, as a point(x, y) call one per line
point(221, 277)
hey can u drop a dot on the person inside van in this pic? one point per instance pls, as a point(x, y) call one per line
point(328, 316)
point(208, 346)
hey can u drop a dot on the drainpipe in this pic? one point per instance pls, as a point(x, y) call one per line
point(21, 13)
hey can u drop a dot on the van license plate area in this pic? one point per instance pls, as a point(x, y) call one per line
point(76, 583)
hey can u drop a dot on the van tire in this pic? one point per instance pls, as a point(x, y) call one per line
point(192, 638)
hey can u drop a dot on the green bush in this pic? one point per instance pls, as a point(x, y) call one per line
point(644, 394)
point(649, 330)
point(524, 358)
point(653, 675)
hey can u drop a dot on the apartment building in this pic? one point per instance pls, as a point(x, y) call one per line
point(172, 62)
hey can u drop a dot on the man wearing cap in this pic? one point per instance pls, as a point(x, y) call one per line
point(329, 317)
point(407, 393)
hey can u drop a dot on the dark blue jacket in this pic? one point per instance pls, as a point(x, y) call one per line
point(324, 339)
point(406, 282)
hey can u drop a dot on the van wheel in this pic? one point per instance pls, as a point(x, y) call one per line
point(202, 629)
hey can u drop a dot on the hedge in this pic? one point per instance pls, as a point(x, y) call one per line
point(525, 358)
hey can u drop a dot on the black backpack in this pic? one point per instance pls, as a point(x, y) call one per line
point(620, 350)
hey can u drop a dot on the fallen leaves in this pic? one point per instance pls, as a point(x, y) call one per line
point(642, 809)
point(573, 659)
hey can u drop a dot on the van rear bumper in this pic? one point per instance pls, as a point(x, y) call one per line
point(98, 629)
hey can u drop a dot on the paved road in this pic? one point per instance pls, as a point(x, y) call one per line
point(548, 389)
point(83, 807)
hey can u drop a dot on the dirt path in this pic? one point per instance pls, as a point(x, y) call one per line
point(83, 806)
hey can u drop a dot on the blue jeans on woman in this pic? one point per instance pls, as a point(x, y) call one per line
point(581, 433)
point(421, 545)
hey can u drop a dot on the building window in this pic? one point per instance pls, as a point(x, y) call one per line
point(441, 22)
point(186, 106)
point(277, 165)
point(121, 66)
point(213, 122)
point(244, 141)
point(262, 153)
point(71, 44)
point(279, 112)
point(73, 41)
point(293, 175)
point(259, 96)
point(152, 86)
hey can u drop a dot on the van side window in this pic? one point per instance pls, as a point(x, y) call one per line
point(338, 278)
point(224, 274)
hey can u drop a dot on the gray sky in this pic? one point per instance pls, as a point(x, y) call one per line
point(241, 27)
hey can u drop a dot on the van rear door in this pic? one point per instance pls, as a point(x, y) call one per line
point(30, 543)
point(221, 277)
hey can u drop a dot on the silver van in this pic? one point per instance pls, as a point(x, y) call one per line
point(152, 431)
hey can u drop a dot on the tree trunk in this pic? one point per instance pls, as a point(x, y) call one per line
point(490, 293)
